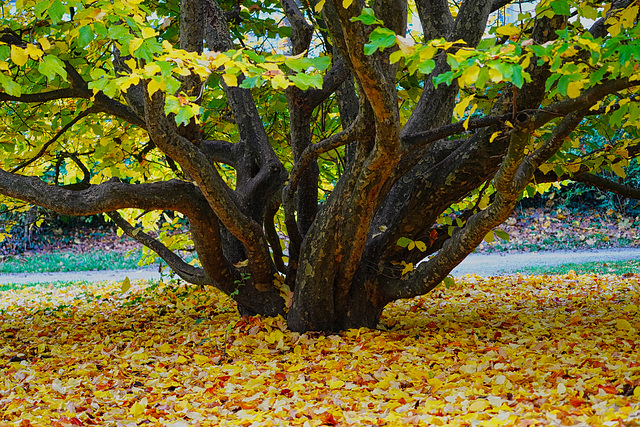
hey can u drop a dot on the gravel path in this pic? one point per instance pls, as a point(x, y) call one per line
point(88, 276)
point(510, 263)
point(480, 264)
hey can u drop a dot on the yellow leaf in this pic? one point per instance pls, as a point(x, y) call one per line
point(508, 30)
point(573, 89)
point(19, 56)
point(241, 264)
point(346, 3)
point(490, 237)
point(495, 75)
point(155, 86)
point(137, 409)
point(618, 169)
point(151, 69)
point(478, 405)
point(407, 267)
point(319, 6)
point(147, 33)
point(34, 52)
point(230, 79)
point(131, 81)
point(42, 348)
point(181, 359)
point(296, 367)
point(165, 348)
point(636, 392)
point(465, 125)
point(126, 285)
point(200, 359)
point(4, 66)
point(623, 324)
point(274, 336)
point(628, 16)
point(494, 136)
point(185, 72)
point(135, 44)
point(405, 44)
point(334, 384)
point(396, 56)
point(460, 108)
point(279, 82)
point(44, 43)
point(468, 369)
point(470, 76)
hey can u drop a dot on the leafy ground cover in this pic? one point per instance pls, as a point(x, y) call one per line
point(537, 229)
point(516, 351)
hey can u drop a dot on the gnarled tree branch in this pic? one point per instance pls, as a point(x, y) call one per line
point(191, 274)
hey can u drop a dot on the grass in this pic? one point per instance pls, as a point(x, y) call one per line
point(613, 267)
point(50, 285)
point(69, 261)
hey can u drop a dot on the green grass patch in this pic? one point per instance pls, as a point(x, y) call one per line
point(53, 285)
point(69, 261)
point(613, 267)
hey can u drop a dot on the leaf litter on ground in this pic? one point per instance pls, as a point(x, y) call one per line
point(502, 351)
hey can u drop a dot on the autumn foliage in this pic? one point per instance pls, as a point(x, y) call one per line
point(504, 351)
point(322, 159)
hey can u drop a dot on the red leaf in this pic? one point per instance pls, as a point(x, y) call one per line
point(328, 419)
point(609, 389)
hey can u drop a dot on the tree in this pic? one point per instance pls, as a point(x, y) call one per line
point(325, 131)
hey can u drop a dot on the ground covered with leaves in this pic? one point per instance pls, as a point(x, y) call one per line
point(546, 228)
point(514, 351)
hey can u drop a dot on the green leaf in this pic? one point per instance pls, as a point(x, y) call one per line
point(561, 7)
point(118, 32)
point(517, 77)
point(41, 7)
point(85, 36)
point(250, 82)
point(380, 38)
point(100, 29)
point(258, 59)
point(367, 17)
point(446, 78)
point(57, 11)
point(298, 64)
point(9, 86)
point(52, 66)
point(404, 242)
point(551, 80)
point(304, 81)
point(449, 282)
point(321, 63)
point(185, 114)
point(563, 84)
point(501, 234)
point(171, 105)
point(427, 66)
point(617, 116)
point(147, 49)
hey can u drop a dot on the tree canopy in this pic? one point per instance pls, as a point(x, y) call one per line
point(312, 153)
